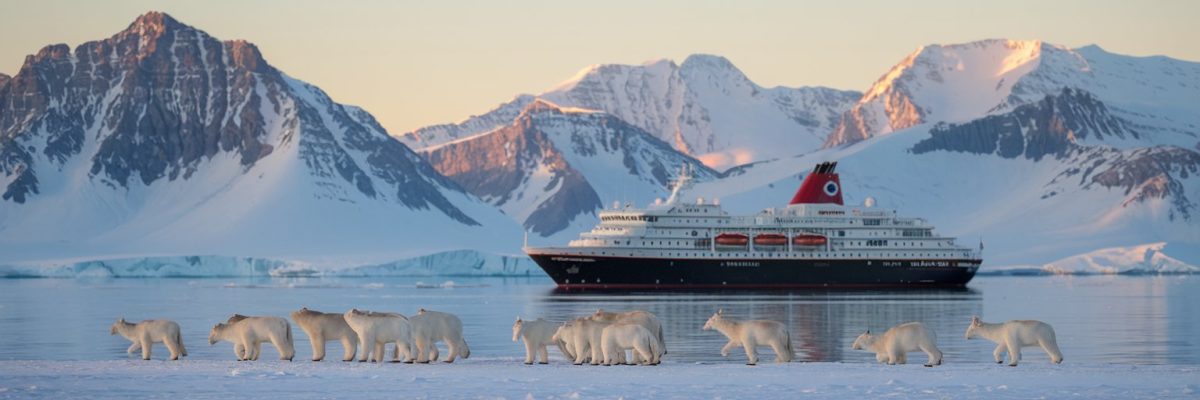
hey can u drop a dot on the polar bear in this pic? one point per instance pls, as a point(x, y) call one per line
point(323, 327)
point(751, 334)
point(238, 350)
point(583, 338)
point(537, 335)
point(248, 334)
point(144, 334)
point(430, 327)
point(643, 318)
point(893, 346)
point(1011, 336)
point(620, 336)
point(565, 334)
point(376, 329)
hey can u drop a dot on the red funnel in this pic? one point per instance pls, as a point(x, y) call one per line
point(821, 186)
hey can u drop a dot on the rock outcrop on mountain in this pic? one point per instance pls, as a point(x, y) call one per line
point(553, 167)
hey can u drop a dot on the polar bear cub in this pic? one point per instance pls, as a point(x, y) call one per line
point(144, 334)
point(893, 346)
point(324, 327)
point(621, 336)
point(430, 327)
point(248, 334)
point(537, 334)
point(1011, 336)
point(376, 329)
point(751, 334)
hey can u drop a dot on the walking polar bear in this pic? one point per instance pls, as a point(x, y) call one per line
point(430, 327)
point(538, 334)
point(643, 318)
point(248, 334)
point(376, 329)
point(893, 346)
point(144, 334)
point(582, 337)
point(751, 334)
point(324, 327)
point(621, 336)
point(1011, 336)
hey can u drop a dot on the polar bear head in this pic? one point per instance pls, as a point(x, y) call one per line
point(865, 341)
point(116, 325)
point(714, 320)
point(561, 333)
point(215, 335)
point(517, 328)
point(975, 323)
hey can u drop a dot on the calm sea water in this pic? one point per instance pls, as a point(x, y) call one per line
point(1142, 320)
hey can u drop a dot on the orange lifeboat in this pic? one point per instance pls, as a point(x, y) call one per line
point(770, 239)
point(809, 240)
point(732, 239)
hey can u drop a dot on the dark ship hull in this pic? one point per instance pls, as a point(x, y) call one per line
point(591, 272)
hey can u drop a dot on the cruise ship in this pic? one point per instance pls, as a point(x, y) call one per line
point(815, 241)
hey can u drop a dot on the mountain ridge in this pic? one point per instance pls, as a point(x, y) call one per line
point(552, 167)
point(704, 107)
point(164, 140)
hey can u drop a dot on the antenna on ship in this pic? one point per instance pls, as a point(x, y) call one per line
point(682, 182)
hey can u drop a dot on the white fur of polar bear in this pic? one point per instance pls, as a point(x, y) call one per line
point(430, 327)
point(144, 334)
point(751, 334)
point(618, 337)
point(583, 338)
point(1011, 336)
point(565, 334)
point(376, 329)
point(893, 346)
point(643, 318)
point(324, 327)
point(537, 335)
point(249, 333)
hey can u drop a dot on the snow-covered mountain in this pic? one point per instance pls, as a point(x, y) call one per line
point(962, 82)
point(162, 140)
point(704, 107)
point(551, 168)
point(1042, 161)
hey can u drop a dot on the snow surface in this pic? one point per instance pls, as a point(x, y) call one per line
point(507, 378)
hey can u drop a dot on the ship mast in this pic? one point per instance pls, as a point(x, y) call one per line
point(682, 182)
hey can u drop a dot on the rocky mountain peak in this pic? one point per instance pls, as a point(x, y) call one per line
point(714, 70)
point(958, 83)
point(540, 105)
point(709, 61)
point(246, 55)
point(154, 20)
point(202, 138)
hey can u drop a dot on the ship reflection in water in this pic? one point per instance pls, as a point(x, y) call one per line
point(823, 323)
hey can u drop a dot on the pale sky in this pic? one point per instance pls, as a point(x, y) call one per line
point(414, 63)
